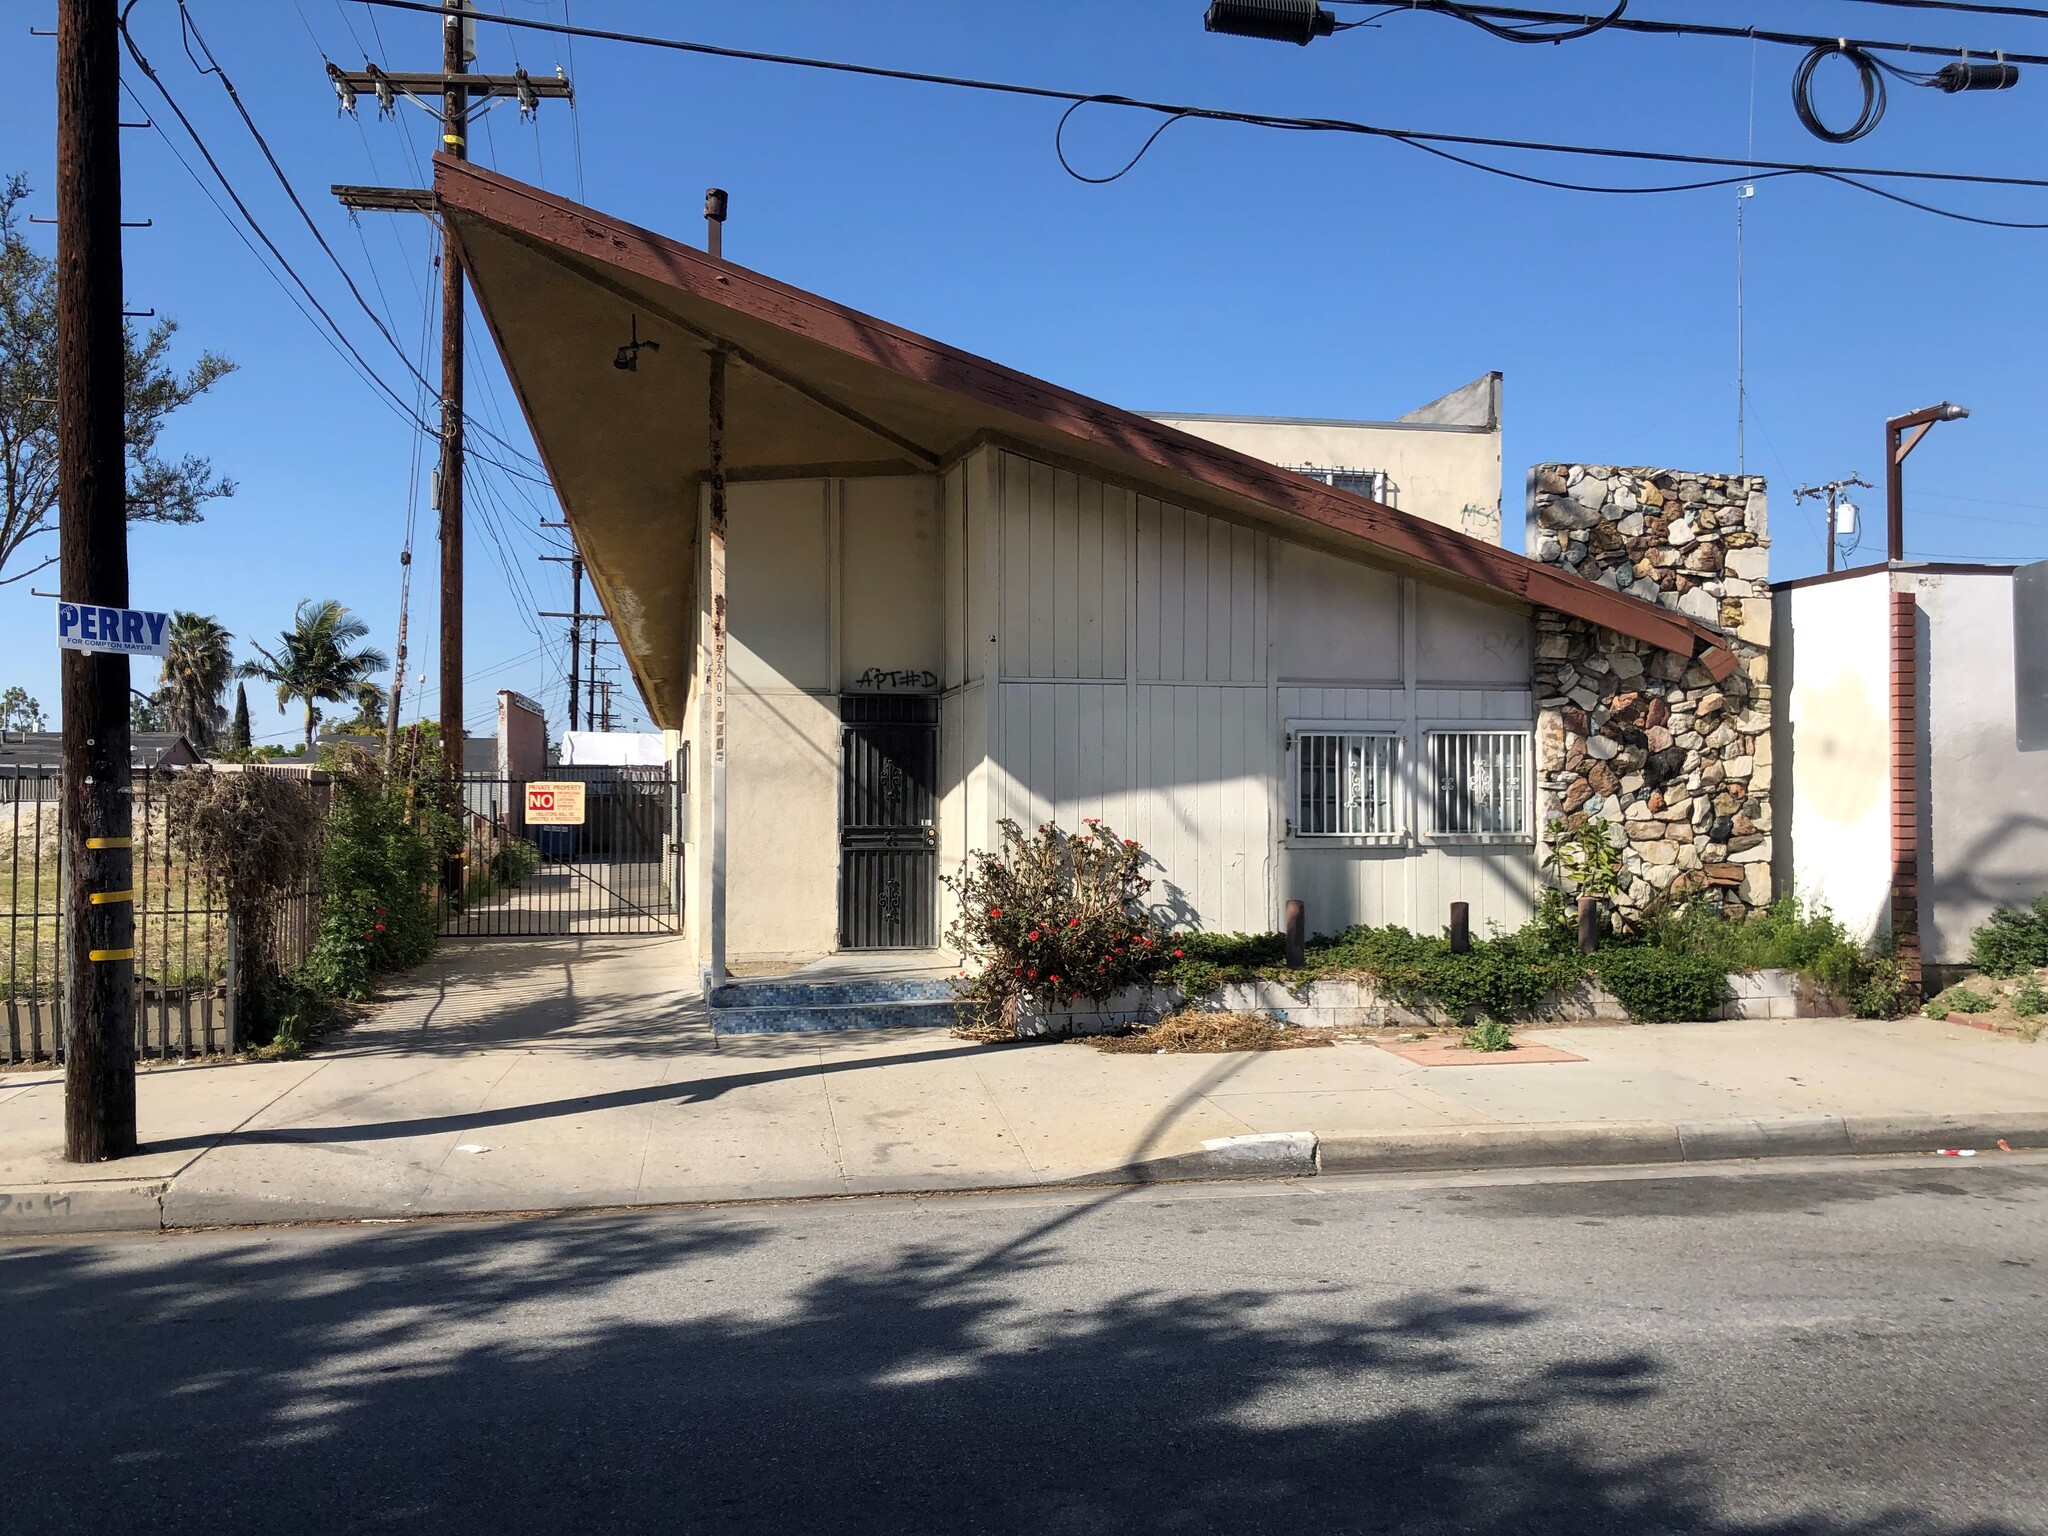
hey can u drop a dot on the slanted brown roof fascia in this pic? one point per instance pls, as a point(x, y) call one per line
point(593, 237)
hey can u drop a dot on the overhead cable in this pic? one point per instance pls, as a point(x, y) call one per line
point(1750, 170)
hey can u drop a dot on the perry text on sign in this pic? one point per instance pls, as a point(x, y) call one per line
point(554, 805)
point(131, 631)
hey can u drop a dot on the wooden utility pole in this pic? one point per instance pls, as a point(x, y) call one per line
point(456, 34)
point(575, 616)
point(92, 491)
point(458, 88)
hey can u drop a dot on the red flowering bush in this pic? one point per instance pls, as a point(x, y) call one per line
point(1052, 917)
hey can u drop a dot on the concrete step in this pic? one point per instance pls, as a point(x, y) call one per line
point(825, 1018)
point(788, 992)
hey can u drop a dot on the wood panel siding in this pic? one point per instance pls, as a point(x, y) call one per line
point(1065, 543)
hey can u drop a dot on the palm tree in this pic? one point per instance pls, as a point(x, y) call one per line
point(196, 672)
point(315, 661)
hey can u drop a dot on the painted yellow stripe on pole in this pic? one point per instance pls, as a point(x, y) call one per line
point(110, 898)
point(110, 954)
point(110, 842)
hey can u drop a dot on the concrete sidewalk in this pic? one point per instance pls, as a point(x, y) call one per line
point(568, 1073)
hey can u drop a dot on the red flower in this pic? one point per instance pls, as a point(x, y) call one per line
point(1032, 935)
point(1034, 975)
point(380, 927)
point(995, 911)
point(1130, 842)
point(380, 912)
point(1073, 922)
point(1177, 954)
point(1146, 942)
point(1053, 979)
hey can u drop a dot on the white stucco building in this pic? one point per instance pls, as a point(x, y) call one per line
point(955, 594)
point(1910, 808)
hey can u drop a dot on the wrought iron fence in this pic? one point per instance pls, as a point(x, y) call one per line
point(183, 1003)
point(614, 872)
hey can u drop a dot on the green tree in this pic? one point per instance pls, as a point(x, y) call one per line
point(317, 659)
point(146, 712)
point(238, 732)
point(19, 712)
point(160, 490)
point(196, 673)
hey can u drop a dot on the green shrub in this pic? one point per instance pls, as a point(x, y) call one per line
point(1657, 985)
point(1052, 917)
point(2012, 940)
point(1489, 1035)
point(1504, 976)
point(386, 842)
point(1960, 1000)
point(1585, 855)
point(2028, 1000)
point(1882, 991)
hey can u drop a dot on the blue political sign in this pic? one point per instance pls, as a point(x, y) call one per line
point(131, 631)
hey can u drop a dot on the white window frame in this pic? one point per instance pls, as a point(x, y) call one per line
point(1427, 802)
point(1396, 738)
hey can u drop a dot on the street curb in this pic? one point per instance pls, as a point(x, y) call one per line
point(1608, 1142)
point(1267, 1155)
point(54, 1211)
point(156, 1206)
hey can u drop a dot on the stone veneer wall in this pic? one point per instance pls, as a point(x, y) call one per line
point(1679, 763)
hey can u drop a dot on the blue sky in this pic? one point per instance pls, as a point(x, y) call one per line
point(1235, 270)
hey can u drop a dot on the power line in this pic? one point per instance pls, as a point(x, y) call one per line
point(1429, 142)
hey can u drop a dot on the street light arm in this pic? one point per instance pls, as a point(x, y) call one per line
point(1895, 451)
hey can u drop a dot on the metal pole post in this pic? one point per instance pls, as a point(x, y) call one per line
point(1833, 494)
point(99, 933)
point(716, 551)
point(1589, 924)
point(1297, 935)
point(575, 630)
point(1894, 497)
point(1461, 927)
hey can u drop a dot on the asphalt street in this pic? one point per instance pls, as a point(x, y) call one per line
point(1798, 1348)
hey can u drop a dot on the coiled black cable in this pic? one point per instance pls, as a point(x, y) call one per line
point(1869, 75)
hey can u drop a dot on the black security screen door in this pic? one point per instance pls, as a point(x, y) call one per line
point(888, 804)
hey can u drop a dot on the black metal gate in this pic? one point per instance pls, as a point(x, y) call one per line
point(615, 872)
point(888, 839)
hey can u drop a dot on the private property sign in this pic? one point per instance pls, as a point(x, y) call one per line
point(554, 805)
point(131, 631)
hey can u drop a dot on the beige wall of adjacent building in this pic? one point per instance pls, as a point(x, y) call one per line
point(1441, 462)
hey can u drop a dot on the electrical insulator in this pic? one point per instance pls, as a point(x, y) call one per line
point(1965, 76)
point(1281, 21)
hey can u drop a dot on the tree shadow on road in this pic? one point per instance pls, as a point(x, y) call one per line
point(727, 1374)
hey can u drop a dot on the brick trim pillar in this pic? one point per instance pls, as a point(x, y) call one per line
point(1905, 784)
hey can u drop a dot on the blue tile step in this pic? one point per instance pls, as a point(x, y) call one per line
point(829, 1018)
point(786, 992)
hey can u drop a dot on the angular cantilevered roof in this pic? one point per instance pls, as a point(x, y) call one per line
point(814, 386)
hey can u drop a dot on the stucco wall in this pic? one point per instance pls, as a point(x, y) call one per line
point(1984, 803)
point(1442, 461)
point(1833, 727)
point(833, 584)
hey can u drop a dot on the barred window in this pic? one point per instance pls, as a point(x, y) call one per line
point(1344, 784)
point(1360, 482)
point(1479, 783)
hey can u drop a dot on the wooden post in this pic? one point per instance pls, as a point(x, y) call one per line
point(1297, 935)
point(98, 864)
point(1589, 924)
point(454, 141)
point(716, 553)
point(1461, 927)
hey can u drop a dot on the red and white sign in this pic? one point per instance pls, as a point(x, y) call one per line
point(554, 805)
